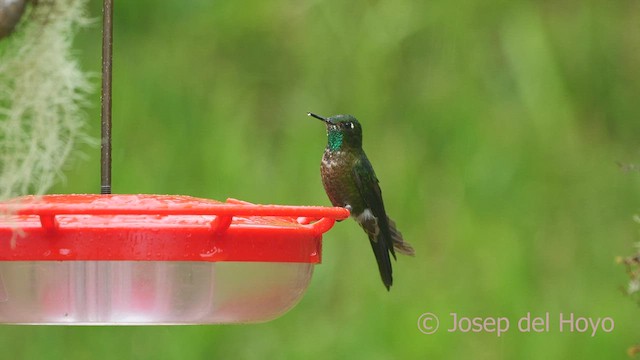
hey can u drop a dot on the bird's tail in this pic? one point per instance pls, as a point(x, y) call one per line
point(384, 262)
point(380, 249)
point(399, 244)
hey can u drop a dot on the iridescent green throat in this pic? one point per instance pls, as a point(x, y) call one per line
point(335, 140)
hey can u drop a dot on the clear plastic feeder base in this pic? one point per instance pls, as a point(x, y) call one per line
point(148, 292)
point(154, 260)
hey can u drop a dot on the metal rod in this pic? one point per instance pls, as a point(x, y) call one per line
point(107, 53)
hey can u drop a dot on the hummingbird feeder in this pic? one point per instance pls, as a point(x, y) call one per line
point(110, 259)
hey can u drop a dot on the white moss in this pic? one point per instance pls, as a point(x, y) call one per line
point(42, 93)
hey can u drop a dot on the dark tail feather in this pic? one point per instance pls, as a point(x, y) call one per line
point(381, 252)
point(384, 262)
point(380, 238)
point(399, 244)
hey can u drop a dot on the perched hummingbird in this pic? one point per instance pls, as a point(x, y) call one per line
point(350, 182)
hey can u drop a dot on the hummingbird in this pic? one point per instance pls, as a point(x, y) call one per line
point(350, 182)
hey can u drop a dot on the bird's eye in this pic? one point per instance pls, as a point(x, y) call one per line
point(348, 125)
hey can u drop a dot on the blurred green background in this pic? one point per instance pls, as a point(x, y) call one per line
point(494, 128)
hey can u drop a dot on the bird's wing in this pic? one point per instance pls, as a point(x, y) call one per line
point(369, 189)
point(375, 223)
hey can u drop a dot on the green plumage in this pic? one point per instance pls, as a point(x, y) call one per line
point(350, 181)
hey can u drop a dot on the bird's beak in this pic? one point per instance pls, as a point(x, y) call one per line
point(319, 117)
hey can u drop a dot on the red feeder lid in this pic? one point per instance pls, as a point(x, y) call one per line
point(160, 228)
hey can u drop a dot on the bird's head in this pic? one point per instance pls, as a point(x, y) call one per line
point(343, 131)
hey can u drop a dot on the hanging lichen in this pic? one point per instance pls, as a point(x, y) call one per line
point(42, 93)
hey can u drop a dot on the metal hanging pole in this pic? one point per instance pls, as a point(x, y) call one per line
point(107, 55)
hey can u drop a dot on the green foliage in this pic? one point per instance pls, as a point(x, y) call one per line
point(494, 128)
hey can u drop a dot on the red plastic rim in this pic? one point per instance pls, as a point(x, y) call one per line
point(160, 228)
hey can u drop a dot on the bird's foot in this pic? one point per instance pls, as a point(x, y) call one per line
point(348, 207)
